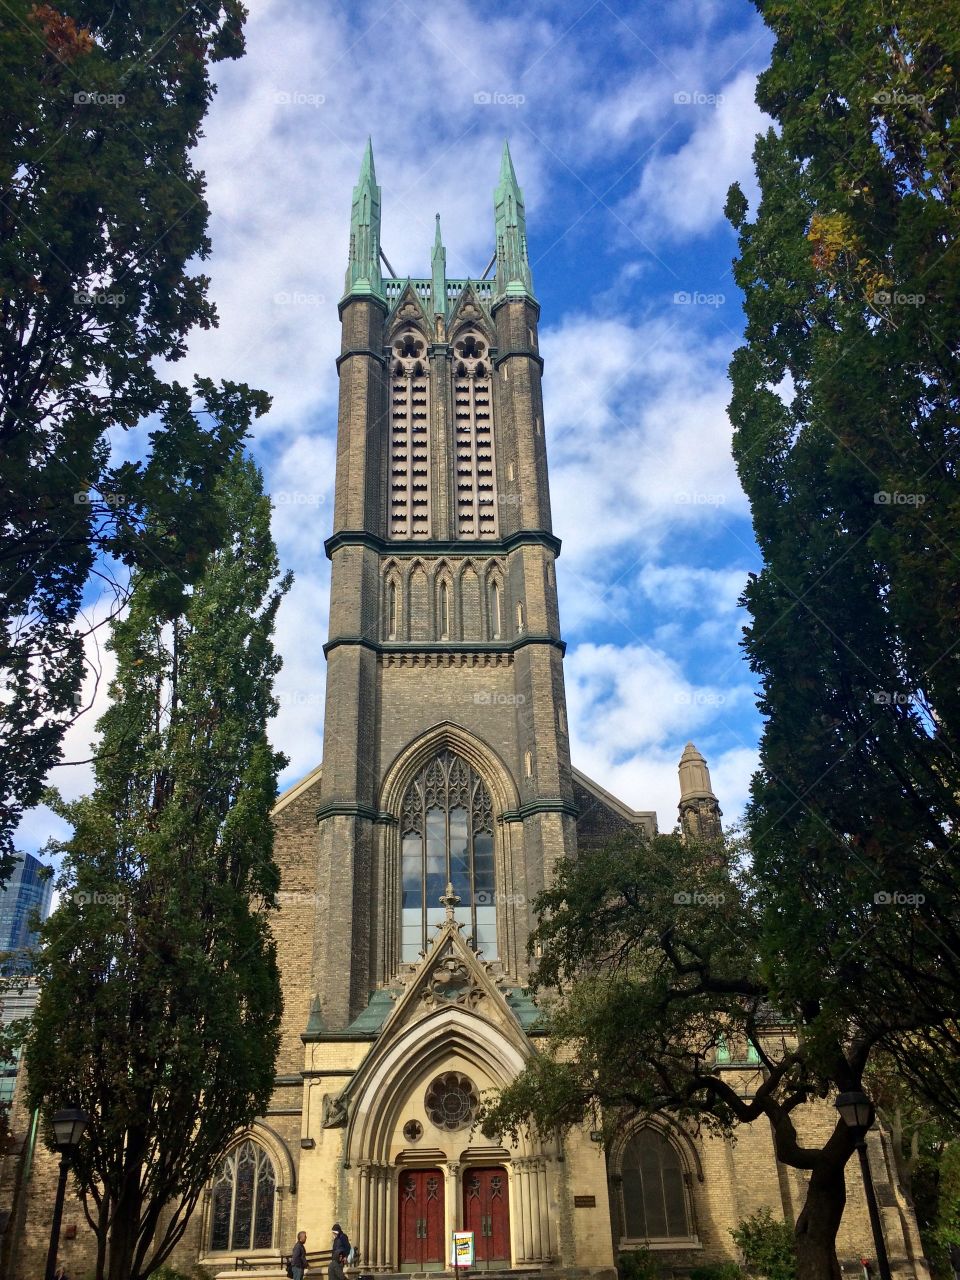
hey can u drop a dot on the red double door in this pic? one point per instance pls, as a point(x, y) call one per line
point(421, 1220)
point(486, 1212)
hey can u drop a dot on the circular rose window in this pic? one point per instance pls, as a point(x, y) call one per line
point(452, 1101)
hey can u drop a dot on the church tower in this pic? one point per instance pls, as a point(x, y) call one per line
point(446, 756)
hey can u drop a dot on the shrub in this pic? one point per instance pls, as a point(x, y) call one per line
point(767, 1246)
point(717, 1271)
point(638, 1264)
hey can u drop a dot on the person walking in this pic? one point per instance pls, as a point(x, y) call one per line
point(298, 1259)
point(335, 1269)
point(340, 1242)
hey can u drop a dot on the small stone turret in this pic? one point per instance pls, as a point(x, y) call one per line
point(699, 808)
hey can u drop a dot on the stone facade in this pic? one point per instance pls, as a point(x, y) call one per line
point(445, 799)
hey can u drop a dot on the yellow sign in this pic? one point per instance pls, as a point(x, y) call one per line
point(463, 1249)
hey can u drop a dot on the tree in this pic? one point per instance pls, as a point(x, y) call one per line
point(845, 407)
point(161, 937)
point(101, 216)
point(652, 955)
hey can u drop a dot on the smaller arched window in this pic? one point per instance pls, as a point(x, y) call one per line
point(443, 612)
point(496, 611)
point(654, 1195)
point(392, 610)
point(243, 1199)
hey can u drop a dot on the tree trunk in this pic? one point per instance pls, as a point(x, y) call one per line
point(817, 1225)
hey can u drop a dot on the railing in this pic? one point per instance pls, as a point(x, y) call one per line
point(393, 287)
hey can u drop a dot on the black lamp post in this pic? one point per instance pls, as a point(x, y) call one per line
point(68, 1127)
point(857, 1113)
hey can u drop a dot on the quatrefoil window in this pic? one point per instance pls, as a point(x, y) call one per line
point(413, 1130)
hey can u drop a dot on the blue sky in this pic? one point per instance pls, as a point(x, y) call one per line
point(627, 122)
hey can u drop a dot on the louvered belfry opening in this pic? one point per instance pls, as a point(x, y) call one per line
point(475, 463)
point(409, 438)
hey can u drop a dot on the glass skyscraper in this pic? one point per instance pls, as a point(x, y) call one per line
point(25, 897)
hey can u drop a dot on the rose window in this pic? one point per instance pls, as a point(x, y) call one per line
point(452, 1101)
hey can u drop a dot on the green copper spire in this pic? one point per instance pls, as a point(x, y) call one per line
point(513, 269)
point(363, 271)
point(439, 274)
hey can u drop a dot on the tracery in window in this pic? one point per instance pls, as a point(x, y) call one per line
point(242, 1200)
point(409, 515)
point(654, 1197)
point(447, 836)
point(475, 464)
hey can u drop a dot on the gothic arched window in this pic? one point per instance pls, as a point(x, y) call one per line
point(409, 514)
point(475, 469)
point(653, 1190)
point(243, 1197)
point(447, 834)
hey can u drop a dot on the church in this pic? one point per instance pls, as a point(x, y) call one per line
point(410, 858)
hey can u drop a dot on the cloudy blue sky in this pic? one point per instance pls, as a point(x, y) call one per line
point(627, 122)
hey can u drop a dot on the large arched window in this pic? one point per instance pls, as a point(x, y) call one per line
point(243, 1198)
point(654, 1195)
point(447, 834)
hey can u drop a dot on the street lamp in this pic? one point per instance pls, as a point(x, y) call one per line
point(856, 1111)
point(68, 1127)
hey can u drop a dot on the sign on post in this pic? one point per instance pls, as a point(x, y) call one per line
point(462, 1249)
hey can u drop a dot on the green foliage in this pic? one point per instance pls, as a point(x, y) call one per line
point(161, 939)
point(767, 1246)
point(102, 218)
point(638, 1264)
point(196, 1272)
point(717, 1271)
point(845, 406)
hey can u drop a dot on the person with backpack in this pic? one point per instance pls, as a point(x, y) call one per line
point(341, 1244)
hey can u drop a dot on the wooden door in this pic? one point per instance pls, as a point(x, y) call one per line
point(486, 1212)
point(421, 1220)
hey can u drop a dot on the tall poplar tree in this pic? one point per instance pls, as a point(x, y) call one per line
point(160, 1000)
point(846, 405)
point(103, 218)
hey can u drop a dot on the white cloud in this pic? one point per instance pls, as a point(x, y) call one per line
point(638, 435)
point(682, 193)
point(631, 711)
